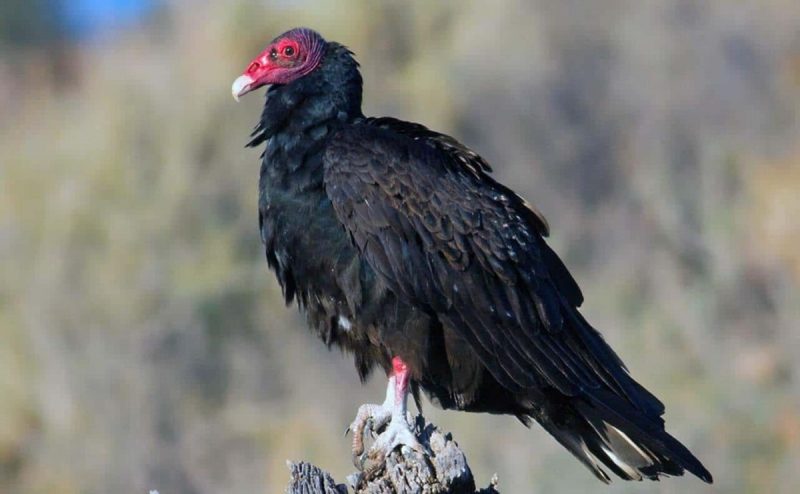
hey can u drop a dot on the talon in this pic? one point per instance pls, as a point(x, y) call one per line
point(397, 434)
point(367, 418)
point(373, 418)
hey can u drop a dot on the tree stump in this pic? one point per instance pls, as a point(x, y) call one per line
point(442, 469)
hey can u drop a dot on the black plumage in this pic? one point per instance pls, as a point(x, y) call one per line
point(396, 241)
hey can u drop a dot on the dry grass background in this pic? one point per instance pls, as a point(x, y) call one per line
point(143, 344)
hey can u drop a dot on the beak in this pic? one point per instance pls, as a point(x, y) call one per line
point(241, 86)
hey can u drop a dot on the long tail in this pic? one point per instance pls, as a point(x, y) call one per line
point(619, 427)
point(620, 438)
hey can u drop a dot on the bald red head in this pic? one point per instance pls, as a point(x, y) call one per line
point(288, 57)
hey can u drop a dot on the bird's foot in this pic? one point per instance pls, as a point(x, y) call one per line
point(399, 433)
point(374, 418)
point(370, 417)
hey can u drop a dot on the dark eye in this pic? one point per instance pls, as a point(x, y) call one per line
point(288, 51)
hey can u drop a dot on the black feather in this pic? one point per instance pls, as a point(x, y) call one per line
point(401, 231)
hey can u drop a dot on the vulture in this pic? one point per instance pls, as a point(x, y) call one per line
point(401, 249)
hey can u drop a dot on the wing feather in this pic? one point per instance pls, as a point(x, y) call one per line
point(445, 236)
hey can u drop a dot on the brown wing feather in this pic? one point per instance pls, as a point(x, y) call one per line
point(448, 239)
point(445, 236)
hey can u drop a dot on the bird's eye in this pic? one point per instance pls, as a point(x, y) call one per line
point(288, 51)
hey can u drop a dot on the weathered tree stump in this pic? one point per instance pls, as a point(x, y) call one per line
point(442, 469)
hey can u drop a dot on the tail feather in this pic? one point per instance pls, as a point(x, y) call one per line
point(576, 445)
point(628, 444)
point(629, 433)
point(620, 424)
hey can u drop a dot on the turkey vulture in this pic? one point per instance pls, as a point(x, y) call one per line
point(402, 249)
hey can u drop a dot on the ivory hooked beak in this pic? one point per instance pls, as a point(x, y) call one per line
point(241, 86)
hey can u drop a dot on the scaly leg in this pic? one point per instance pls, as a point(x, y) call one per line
point(398, 432)
point(373, 415)
point(393, 410)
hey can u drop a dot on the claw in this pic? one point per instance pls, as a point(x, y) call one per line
point(398, 434)
point(373, 418)
point(369, 418)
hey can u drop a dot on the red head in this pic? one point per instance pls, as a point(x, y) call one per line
point(290, 56)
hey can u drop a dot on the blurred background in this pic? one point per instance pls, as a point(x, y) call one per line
point(144, 344)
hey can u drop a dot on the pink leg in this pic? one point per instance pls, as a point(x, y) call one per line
point(399, 430)
point(401, 376)
point(391, 414)
point(375, 416)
